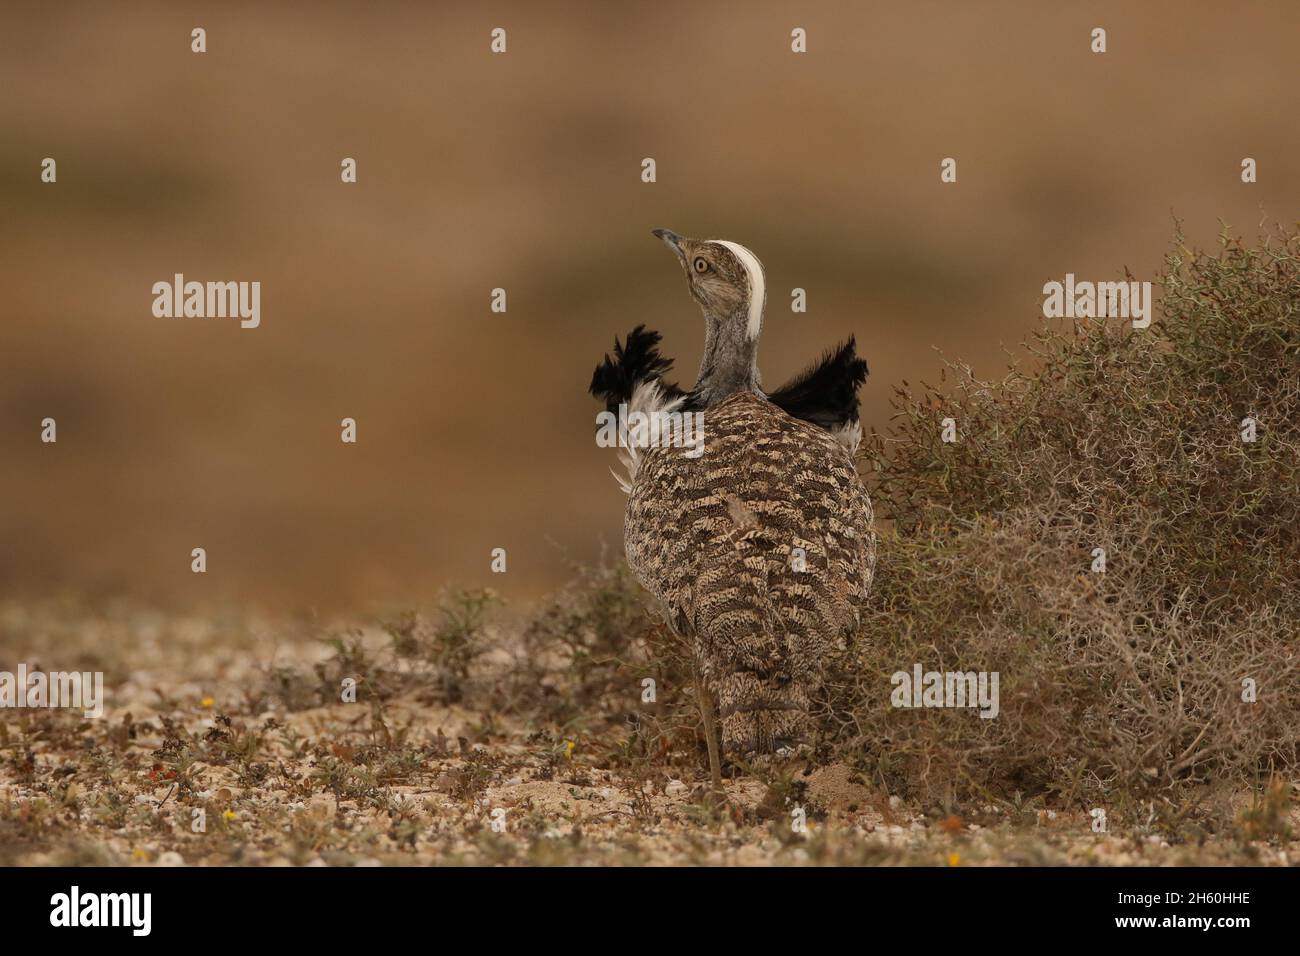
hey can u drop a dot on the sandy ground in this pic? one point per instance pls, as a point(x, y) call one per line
point(206, 756)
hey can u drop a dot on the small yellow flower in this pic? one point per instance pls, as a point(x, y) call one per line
point(230, 815)
point(568, 749)
point(139, 854)
point(207, 702)
point(954, 859)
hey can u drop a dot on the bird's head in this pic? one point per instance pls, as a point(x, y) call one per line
point(725, 278)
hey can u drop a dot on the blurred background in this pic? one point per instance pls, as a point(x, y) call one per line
point(522, 171)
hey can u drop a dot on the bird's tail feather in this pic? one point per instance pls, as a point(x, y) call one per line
point(744, 654)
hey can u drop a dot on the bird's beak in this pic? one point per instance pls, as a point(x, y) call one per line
point(671, 240)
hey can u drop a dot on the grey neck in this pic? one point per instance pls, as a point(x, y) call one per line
point(730, 362)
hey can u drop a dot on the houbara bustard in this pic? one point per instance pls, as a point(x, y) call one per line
point(760, 545)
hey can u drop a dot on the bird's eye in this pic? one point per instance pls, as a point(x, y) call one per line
point(701, 264)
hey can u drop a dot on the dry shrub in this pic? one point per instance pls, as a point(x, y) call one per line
point(583, 660)
point(568, 668)
point(1122, 687)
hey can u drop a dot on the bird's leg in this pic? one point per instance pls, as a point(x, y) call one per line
point(710, 733)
